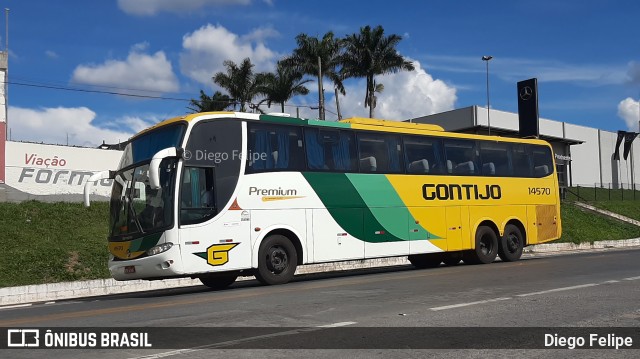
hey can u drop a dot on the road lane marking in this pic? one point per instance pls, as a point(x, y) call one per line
point(453, 306)
point(558, 289)
point(336, 325)
point(469, 303)
point(16, 306)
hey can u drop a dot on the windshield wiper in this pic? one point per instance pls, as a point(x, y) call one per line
point(135, 215)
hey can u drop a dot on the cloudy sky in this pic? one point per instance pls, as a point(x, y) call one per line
point(85, 72)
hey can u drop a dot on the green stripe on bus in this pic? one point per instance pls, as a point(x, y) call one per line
point(329, 123)
point(144, 243)
point(386, 205)
point(282, 119)
point(344, 202)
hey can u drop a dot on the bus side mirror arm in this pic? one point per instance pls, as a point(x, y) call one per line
point(154, 166)
point(93, 179)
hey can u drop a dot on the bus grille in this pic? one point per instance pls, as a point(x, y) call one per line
point(547, 222)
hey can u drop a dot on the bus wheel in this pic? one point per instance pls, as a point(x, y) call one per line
point(219, 280)
point(486, 249)
point(277, 260)
point(452, 259)
point(421, 261)
point(511, 244)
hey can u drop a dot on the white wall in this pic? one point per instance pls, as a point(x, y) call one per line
point(51, 170)
point(585, 158)
point(499, 119)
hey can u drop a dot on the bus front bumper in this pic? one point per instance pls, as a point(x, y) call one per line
point(164, 265)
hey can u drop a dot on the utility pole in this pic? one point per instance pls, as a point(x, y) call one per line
point(338, 104)
point(320, 90)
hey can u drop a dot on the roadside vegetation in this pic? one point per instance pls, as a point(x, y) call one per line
point(58, 242)
point(52, 242)
point(580, 226)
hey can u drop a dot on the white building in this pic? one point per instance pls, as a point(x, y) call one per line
point(584, 155)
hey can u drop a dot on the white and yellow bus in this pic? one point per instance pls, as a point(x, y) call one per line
point(216, 195)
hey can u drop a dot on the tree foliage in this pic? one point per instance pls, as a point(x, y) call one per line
point(206, 103)
point(240, 82)
point(281, 86)
point(370, 53)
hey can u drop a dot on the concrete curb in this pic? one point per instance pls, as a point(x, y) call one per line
point(68, 290)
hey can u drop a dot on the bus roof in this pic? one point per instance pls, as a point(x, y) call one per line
point(354, 123)
point(392, 124)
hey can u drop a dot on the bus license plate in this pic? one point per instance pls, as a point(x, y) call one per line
point(129, 269)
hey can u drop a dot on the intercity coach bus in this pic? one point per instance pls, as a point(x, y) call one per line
point(222, 194)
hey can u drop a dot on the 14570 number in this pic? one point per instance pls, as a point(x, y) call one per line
point(540, 191)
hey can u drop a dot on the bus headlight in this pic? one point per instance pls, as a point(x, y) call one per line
point(159, 249)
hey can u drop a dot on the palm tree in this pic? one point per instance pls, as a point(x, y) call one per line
point(217, 102)
point(371, 53)
point(305, 60)
point(239, 81)
point(283, 85)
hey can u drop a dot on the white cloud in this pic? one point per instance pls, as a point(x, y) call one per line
point(55, 125)
point(139, 71)
point(634, 73)
point(629, 111)
point(260, 34)
point(207, 48)
point(406, 95)
point(152, 7)
point(515, 69)
point(51, 54)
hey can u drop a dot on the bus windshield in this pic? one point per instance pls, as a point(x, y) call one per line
point(136, 209)
point(143, 147)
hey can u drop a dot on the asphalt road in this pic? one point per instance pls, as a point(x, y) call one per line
point(396, 306)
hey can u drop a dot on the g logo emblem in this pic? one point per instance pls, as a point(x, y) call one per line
point(218, 254)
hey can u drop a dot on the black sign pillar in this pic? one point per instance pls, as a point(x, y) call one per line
point(528, 108)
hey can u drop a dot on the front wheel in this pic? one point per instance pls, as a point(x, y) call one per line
point(219, 281)
point(511, 244)
point(277, 260)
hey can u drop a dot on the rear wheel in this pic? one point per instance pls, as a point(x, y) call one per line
point(277, 260)
point(511, 244)
point(429, 260)
point(486, 249)
point(219, 281)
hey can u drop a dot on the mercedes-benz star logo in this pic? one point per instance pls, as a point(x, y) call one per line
point(526, 93)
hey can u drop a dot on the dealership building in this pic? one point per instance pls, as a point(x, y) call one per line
point(584, 155)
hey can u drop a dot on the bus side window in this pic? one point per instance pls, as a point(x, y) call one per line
point(520, 161)
point(462, 156)
point(380, 153)
point(274, 148)
point(542, 161)
point(197, 195)
point(423, 155)
point(495, 159)
point(330, 150)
